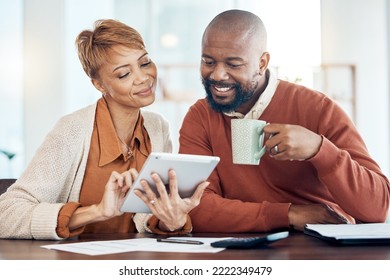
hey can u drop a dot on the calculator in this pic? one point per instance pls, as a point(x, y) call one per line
point(249, 242)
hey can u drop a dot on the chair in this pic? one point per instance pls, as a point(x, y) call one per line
point(5, 183)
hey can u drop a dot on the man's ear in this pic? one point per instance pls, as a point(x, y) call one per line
point(263, 63)
point(98, 85)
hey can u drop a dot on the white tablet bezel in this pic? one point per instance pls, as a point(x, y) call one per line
point(190, 170)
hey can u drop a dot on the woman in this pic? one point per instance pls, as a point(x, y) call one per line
point(79, 176)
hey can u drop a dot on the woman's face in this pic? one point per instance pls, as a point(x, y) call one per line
point(128, 78)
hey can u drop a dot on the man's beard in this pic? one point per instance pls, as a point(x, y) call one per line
point(242, 96)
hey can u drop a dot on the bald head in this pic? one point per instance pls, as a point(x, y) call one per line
point(238, 24)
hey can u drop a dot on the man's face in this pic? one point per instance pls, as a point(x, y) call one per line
point(229, 70)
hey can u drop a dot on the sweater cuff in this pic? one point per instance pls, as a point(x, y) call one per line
point(275, 215)
point(44, 221)
point(152, 226)
point(325, 161)
point(63, 220)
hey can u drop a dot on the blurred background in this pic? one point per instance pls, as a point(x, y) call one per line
point(339, 47)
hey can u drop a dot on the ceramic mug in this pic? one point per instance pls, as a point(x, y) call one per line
point(247, 141)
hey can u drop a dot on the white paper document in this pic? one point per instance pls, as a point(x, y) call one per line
point(348, 231)
point(94, 248)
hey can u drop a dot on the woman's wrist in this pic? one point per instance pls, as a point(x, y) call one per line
point(86, 215)
point(172, 228)
point(155, 226)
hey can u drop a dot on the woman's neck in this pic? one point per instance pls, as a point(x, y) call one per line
point(124, 119)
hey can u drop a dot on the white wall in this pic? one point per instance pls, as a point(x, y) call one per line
point(43, 75)
point(80, 15)
point(54, 82)
point(355, 32)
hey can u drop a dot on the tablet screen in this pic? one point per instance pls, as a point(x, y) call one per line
point(190, 170)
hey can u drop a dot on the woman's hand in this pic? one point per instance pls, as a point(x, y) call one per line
point(115, 191)
point(170, 208)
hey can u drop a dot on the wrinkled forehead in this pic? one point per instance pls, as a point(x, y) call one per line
point(225, 34)
point(230, 42)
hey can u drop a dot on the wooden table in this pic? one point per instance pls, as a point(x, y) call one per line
point(297, 246)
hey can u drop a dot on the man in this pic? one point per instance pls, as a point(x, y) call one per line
point(317, 169)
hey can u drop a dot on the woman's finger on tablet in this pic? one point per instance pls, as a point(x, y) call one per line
point(128, 181)
point(114, 181)
point(142, 195)
point(199, 192)
point(147, 190)
point(161, 189)
point(131, 175)
point(173, 188)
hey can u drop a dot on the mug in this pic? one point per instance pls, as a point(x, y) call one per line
point(247, 141)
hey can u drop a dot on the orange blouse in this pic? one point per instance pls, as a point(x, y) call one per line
point(105, 156)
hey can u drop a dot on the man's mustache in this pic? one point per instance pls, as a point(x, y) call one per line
point(209, 82)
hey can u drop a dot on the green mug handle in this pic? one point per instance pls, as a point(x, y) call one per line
point(263, 149)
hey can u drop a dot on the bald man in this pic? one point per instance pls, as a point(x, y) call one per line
point(317, 169)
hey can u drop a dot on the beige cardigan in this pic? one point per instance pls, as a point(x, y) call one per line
point(30, 207)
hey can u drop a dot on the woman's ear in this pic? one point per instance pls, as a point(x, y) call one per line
point(98, 85)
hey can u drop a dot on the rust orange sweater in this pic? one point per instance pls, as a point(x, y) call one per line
point(244, 198)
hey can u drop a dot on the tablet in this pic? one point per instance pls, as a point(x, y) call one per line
point(190, 170)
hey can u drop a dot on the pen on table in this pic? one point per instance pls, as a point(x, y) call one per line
point(180, 241)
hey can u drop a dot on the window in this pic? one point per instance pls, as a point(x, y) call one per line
point(11, 98)
point(172, 30)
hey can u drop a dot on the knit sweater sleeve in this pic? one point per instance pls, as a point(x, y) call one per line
point(159, 131)
point(344, 166)
point(30, 207)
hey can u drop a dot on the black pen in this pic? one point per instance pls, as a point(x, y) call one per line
point(180, 241)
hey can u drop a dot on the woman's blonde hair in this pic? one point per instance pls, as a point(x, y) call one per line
point(93, 45)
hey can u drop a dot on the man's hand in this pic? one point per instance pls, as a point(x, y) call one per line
point(291, 142)
point(300, 215)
